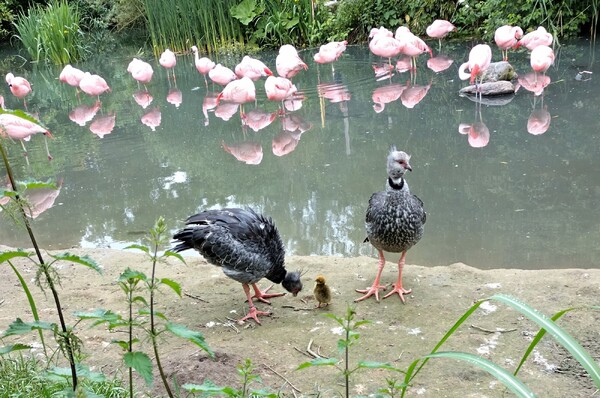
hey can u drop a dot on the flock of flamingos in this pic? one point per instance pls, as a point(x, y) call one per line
point(239, 84)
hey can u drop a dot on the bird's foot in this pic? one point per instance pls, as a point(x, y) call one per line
point(254, 313)
point(373, 290)
point(401, 292)
point(261, 296)
point(319, 305)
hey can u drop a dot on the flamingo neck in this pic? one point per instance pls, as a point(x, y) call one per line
point(462, 75)
point(474, 72)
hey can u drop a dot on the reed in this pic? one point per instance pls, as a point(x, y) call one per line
point(207, 25)
point(51, 33)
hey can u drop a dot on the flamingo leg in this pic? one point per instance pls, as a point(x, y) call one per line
point(398, 285)
point(374, 289)
point(253, 312)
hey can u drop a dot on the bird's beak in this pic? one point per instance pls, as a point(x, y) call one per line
point(408, 167)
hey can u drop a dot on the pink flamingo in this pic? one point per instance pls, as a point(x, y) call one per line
point(19, 86)
point(238, 91)
point(20, 128)
point(103, 124)
point(507, 37)
point(439, 29)
point(252, 68)
point(140, 71)
point(539, 37)
point(279, 88)
point(168, 61)
point(380, 31)
point(330, 52)
point(93, 85)
point(203, 65)
point(541, 58)
point(480, 57)
point(288, 63)
point(72, 76)
point(385, 46)
point(221, 75)
point(411, 44)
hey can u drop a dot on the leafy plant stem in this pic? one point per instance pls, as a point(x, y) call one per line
point(44, 268)
point(153, 333)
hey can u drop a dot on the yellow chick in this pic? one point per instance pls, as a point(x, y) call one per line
point(322, 291)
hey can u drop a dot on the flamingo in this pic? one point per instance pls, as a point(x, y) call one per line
point(541, 58)
point(288, 63)
point(539, 37)
point(385, 46)
point(380, 31)
point(330, 52)
point(411, 44)
point(93, 85)
point(252, 68)
point(221, 75)
point(72, 76)
point(20, 128)
point(238, 91)
point(439, 29)
point(203, 65)
point(480, 57)
point(140, 71)
point(168, 61)
point(507, 37)
point(279, 88)
point(19, 86)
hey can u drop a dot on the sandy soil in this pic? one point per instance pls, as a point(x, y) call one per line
point(398, 334)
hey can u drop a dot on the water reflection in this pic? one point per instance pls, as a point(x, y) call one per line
point(316, 185)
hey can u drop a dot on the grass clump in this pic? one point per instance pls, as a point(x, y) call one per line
point(51, 33)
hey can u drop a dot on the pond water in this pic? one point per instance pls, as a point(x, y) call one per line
point(521, 191)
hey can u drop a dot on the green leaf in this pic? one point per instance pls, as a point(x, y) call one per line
point(318, 362)
point(132, 274)
point(14, 347)
point(564, 338)
point(190, 335)
point(140, 299)
point(101, 316)
point(19, 327)
point(6, 256)
point(141, 363)
point(360, 323)
point(210, 388)
point(139, 247)
point(33, 184)
point(172, 284)
point(501, 374)
point(244, 11)
point(73, 258)
point(377, 365)
point(170, 253)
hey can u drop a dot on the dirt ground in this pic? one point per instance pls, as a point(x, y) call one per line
point(398, 333)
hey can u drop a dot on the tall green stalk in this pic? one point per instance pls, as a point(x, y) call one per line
point(44, 268)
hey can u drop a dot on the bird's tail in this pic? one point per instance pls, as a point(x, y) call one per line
point(185, 238)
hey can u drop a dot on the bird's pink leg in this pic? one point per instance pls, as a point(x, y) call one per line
point(261, 296)
point(253, 312)
point(374, 289)
point(398, 285)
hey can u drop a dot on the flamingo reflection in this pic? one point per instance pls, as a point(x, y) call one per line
point(41, 199)
point(143, 98)
point(413, 94)
point(246, 151)
point(539, 119)
point(478, 134)
point(534, 82)
point(152, 118)
point(209, 102)
point(257, 119)
point(439, 63)
point(103, 124)
point(82, 114)
point(175, 97)
point(384, 95)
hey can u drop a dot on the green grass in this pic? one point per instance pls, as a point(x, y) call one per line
point(207, 25)
point(51, 33)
